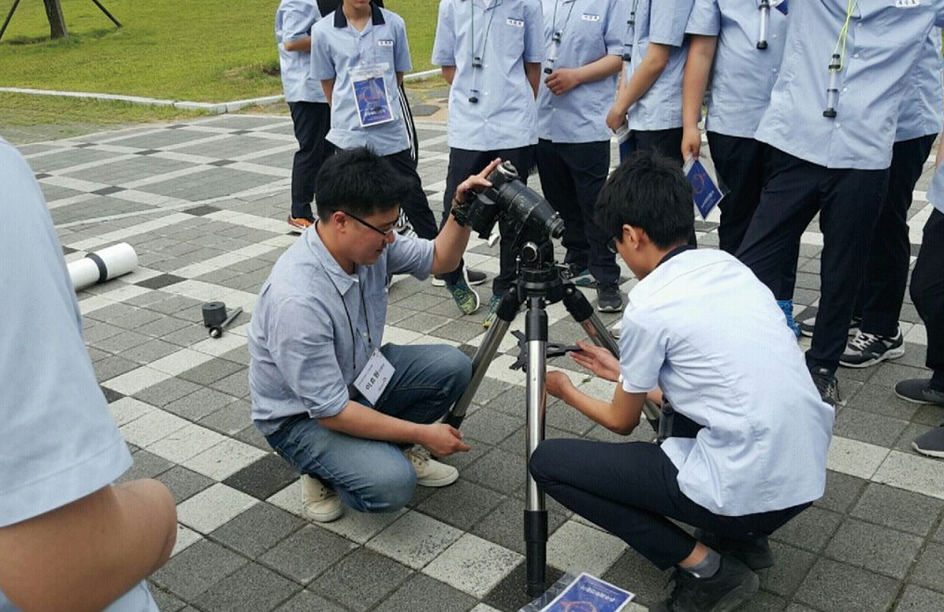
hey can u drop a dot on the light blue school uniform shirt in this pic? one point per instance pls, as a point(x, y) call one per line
point(743, 75)
point(58, 442)
point(936, 191)
point(882, 46)
point(922, 106)
point(590, 30)
point(711, 336)
point(338, 50)
point(315, 326)
point(293, 21)
point(662, 22)
point(507, 34)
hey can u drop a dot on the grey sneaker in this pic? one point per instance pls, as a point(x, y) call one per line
point(827, 385)
point(931, 443)
point(806, 325)
point(492, 313)
point(871, 349)
point(919, 391)
point(609, 298)
point(466, 298)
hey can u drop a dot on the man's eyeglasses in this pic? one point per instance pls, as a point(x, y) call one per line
point(383, 233)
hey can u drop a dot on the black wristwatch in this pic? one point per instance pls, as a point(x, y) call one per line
point(460, 209)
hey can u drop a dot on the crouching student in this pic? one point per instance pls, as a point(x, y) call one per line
point(691, 335)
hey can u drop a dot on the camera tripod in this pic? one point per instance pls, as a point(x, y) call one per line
point(539, 282)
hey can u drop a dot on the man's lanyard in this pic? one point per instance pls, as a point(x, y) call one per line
point(836, 62)
point(556, 34)
point(350, 324)
point(676, 251)
point(631, 33)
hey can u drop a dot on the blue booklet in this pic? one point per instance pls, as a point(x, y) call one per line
point(706, 192)
point(589, 594)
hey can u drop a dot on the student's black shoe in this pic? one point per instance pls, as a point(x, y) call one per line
point(733, 584)
point(609, 298)
point(871, 349)
point(827, 385)
point(806, 325)
point(754, 553)
point(931, 443)
point(919, 391)
point(473, 277)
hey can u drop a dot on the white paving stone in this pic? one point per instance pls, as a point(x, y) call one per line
point(912, 472)
point(136, 380)
point(473, 565)
point(213, 507)
point(578, 548)
point(854, 458)
point(127, 409)
point(186, 537)
point(181, 361)
point(185, 443)
point(224, 459)
point(151, 427)
point(414, 539)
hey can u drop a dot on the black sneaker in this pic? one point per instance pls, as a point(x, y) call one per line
point(827, 385)
point(472, 277)
point(609, 298)
point(733, 584)
point(806, 326)
point(871, 349)
point(931, 443)
point(919, 391)
point(755, 553)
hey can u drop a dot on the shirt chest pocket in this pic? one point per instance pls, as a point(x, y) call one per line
point(384, 51)
point(588, 36)
point(891, 24)
point(511, 40)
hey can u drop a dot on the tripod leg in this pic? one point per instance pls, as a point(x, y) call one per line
point(582, 311)
point(535, 513)
point(507, 310)
point(6, 21)
point(107, 14)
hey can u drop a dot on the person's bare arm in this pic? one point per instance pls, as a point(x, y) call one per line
point(563, 80)
point(533, 71)
point(328, 86)
point(449, 73)
point(85, 555)
point(701, 53)
point(648, 72)
point(940, 152)
point(363, 422)
point(620, 415)
point(302, 45)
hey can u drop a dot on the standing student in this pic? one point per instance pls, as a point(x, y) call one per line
point(490, 52)
point(584, 47)
point(831, 124)
point(740, 47)
point(311, 115)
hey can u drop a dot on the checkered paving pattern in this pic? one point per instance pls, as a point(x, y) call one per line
point(204, 204)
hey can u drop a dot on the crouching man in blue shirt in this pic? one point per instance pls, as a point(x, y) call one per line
point(344, 409)
point(700, 331)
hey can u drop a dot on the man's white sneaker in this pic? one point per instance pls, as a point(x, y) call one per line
point(321, 503)
point(429, 472)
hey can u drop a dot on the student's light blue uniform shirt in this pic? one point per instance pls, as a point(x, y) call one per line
point(743, 75)
point(922, 108)
point(936, 191)
point(337, 49)
point(590, 30)
point(58, 441)
point(293, 21)
point(663, 22)
point(303, 357)
point(710, 335)
point(507, 34)
point(882, 46)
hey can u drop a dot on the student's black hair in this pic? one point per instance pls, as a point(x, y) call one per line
point(650, 192)
point(358, 181)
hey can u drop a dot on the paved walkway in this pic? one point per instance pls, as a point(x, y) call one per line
point(204, 204)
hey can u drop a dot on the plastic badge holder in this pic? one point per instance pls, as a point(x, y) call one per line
point(582, 593)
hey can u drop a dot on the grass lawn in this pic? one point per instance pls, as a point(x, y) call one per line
point(204, 50)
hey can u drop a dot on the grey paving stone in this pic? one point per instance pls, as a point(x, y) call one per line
point(310, 551)
point(875, 548)
point(459, 331)
point(146, 465)
point(510, 595)
point(791, 565)
point(763, 601)
point(252, 435)
point(184, 483)
point(150, 351)
point(461, 505)
point(263, 478)
point(251, 588)
point(842, 491)
point(132, 321)
point(504, 526)
point(230, 419)
point(881, 399)
point(917, 599)
point(173, 304)
point(112, 366)
point(491, 426)
point(197, 568)
point(810, 530)
point(199, 404)
point(306, 601)
point(638, 575)
point(929, 570)
point(907, 437)
point(423, 322)
point(110, 312)
point(212, 371)
point(361, 580)
point(868, 427)
point(835, 587)
point(512, 401)
point(187, 336)
point(561, 416)
point(163, 326)
point(462, 461)
point(122, 342)
point(898, 509)
point(423, 594)
point(239, 355)
point(257, 530)
point(939, 534)
point(100, 332)
point(166, 391)
point(500, 471)
point(236, 384)
point(165, 601)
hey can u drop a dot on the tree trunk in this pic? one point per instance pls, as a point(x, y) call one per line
point(57, 23)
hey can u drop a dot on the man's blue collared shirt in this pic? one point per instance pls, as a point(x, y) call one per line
point(315, 326)
point(507, 34)
point(337, 50)
point(922, 109)
point(590, 30)
point(293, 21)
point(743, 75)
point(662, 22)
point(882, 45)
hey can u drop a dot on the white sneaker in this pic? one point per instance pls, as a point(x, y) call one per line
point(321, 503)
point(429, 472)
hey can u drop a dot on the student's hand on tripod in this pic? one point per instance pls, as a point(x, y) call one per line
point(557, 383)
point(442, 440)
point(598, 360)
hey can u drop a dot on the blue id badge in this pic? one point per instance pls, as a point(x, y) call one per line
point(589, 593)
point(780, 6)
point(370, 94)
point(936, 191)
point(704, 189)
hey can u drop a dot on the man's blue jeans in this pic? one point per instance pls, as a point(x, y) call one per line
point(370, 475)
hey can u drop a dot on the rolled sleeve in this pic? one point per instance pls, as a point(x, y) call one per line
point(668, 20)
point(534, 34)
point(643, 342)
point(616, 27)
point(402, 49)
point(297, 19)
point(410, 256)
point(302, 348)
point(444, 46)
point(322, 64)
point(705, 19)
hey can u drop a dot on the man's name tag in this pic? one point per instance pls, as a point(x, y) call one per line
point(589, 17)
point(385, 43)
point(374, 378)
point(517, 23)
point(370, 94)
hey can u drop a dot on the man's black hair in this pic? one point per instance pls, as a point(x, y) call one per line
point(358, 181)
point(647, 191)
